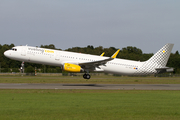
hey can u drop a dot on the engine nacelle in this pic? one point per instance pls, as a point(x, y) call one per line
point(72, 67)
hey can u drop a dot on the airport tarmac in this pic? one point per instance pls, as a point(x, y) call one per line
point(90, 86)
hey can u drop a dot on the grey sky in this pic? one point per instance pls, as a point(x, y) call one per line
point(147, 25)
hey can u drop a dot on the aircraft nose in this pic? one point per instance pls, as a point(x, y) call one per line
point(6, 53)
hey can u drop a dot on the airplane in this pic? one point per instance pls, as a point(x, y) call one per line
point(79, 62)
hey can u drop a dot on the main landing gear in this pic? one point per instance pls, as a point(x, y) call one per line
point(86, 76)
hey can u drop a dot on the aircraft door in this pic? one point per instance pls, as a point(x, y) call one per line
point(23, 52)
point(57, 56)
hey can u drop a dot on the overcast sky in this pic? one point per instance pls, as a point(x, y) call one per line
point(146, 24)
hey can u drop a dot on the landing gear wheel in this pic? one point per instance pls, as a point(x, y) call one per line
point(86, 76)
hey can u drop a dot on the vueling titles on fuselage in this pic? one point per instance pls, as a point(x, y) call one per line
point(77, 62)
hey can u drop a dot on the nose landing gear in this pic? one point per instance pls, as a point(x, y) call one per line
point(86, 76)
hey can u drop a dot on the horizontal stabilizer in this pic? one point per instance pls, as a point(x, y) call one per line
point(165, 69)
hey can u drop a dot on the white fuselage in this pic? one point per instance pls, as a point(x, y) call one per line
point(58, 58)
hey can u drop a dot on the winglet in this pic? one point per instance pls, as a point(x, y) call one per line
point(102, 54)
point(115, 54)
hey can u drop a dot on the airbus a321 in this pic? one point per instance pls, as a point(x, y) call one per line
point(78, 62)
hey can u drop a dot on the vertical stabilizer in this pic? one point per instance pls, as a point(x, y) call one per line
point(158, 60)
point(161, 57)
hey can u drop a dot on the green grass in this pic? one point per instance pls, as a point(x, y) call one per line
point(89, 105)
point(104, 79)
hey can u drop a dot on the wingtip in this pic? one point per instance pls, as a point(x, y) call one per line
point(115, 54)
point(102, 54)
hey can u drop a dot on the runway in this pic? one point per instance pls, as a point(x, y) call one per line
point(90, 86)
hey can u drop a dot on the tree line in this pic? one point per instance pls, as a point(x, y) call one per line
point(131, 53)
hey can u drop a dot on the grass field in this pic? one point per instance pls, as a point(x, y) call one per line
point(104, 79)
point(89, 105)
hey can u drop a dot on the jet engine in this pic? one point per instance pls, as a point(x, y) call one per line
point(72, 67)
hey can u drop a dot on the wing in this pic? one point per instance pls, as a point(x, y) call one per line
point(95, 64)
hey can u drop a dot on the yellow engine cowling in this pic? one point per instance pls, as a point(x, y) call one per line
point(71, 67)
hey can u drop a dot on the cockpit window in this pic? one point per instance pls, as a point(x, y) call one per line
point(14, 49)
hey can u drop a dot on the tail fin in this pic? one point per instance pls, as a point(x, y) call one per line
point(157, 62)
point(160, 59)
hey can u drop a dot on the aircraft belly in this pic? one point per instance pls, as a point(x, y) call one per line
point(119, 70)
